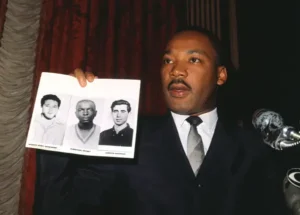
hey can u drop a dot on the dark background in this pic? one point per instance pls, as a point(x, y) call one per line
point(268, 76)
point(269, 73)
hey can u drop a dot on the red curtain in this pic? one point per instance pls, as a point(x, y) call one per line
point(113, 39)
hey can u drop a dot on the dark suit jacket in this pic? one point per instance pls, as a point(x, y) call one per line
point(236, 178)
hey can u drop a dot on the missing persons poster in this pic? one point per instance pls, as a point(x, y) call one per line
point(97, 120)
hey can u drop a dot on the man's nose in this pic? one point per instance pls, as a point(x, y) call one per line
point(179, 70)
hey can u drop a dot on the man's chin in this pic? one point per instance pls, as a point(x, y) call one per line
point(180, 109)
point(85, 122)
point(178, 105)
point(119, 124)
point(49, 117)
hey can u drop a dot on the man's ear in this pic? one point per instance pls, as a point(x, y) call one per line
point(222, 75)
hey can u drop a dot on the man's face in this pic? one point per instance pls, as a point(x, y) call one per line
point(50, 108)
point(120, 114)
point(86, 111)
point(190, 75)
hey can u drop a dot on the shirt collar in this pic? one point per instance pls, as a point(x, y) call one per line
point(124, 129)
point(209, 119)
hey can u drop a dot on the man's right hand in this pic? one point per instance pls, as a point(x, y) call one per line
point(83, 77)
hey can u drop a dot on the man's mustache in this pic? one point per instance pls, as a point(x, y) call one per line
point(179, 81)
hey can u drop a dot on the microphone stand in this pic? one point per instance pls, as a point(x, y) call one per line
point(286, 137)
point(291, 183)
point(280, 137)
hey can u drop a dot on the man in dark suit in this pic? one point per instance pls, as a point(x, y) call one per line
point(188, 162)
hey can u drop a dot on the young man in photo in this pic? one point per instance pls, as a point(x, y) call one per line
point(47, 128)
point(121, 133)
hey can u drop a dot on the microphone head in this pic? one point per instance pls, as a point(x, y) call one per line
point(269, 124)
point(274, 133)
point(264, 118)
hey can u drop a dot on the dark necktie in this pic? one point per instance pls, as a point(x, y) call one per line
point(195, 149)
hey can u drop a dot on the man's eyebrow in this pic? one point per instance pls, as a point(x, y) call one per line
point(198, 51)
point(193, 51)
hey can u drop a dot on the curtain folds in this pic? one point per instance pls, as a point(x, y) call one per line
point(113, 39)
point(205, 13)
point(17, 55)
point(219, 17)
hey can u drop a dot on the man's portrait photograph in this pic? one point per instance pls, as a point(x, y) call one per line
point(48, 125)
point(120, 134)
point(83, 128)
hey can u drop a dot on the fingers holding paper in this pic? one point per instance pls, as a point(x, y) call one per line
point(83, 77)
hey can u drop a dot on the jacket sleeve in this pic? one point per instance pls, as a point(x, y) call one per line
point(71, 184)
point(53, 174)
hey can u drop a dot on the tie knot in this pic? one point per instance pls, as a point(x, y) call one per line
point(194, 120)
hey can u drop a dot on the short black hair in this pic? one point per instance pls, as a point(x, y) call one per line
point(215, 41)
point(50, 97)
point(121, 102)
point(86, 100)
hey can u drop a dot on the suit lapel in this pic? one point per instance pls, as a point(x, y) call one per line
point(218, 165)
point(173, 147)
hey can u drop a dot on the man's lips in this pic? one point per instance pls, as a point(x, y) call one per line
point(178, 90)
point(180, 87)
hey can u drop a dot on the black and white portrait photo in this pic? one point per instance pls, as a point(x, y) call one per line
point(97, 120)
point(121, 133)
point(48, 125)
point(84, 132)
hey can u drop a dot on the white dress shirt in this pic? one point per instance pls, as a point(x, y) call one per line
point(206, 129)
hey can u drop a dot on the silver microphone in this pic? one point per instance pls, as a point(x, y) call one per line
point(273, 130)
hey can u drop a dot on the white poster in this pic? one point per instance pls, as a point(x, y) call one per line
point(97, 120)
